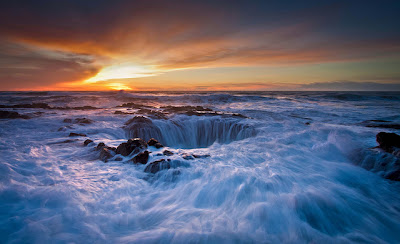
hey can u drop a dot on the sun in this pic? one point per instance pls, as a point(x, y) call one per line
point(122, 71)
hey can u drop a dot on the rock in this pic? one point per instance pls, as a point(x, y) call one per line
point(106, 153)
point(12, 115)
point(100, 145)
point(118, 159)
point(132, 145)
point(83, 121)
point(187, 156)
point(141, 158)
point(167, 153)
point(201, 156)
point(158, 165)
point(307, 123)
point(388, 141)
point(142, 127)
point(87, 142)
point(394, 175)
point(155, 143)
point(67, 120)
point(76, 134)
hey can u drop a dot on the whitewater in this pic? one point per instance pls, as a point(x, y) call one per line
point(271, 167)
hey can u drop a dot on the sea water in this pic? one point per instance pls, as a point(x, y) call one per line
point(283, 167)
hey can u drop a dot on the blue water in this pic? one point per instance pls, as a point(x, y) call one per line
point(296, 167)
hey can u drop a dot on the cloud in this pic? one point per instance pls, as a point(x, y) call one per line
point(351, 86)
point(22, 66)
point(192, 34)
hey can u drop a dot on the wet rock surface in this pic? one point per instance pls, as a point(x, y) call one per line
point(141, 158)
point(87, 142)
point(157, 166)
point(153, 142)
point(378, 123)
point(131, 146)
point(388, 142)
point(167, 153)
point(12, 115)
point(72, 134)
point(46, 106)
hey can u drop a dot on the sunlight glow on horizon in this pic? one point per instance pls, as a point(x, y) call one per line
point(122, 71)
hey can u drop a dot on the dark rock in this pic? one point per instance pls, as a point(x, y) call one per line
point(132, 105)
point(307, 123)
point(168, 153)
point(12, 115)
point(138, 142)
point(67, 120)
point(388, 141)
point(201, 156)
point(187, 156)
point(141, 158)
point(83, 121)
point(118, 159)
point(388, 126)
point(100, 145)
point(394, 175)
point(33, 105)
point(142, 127)
point(106, 153)
point(155, 143)
point(158, 165)
point(121, 112)
point(84, 108)
point(76, 134)
point(65, 141)
point(132, 145)
point(87, 142)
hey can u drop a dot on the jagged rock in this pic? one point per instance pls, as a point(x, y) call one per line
point(87, 142)
point(158, 165)
point(141, 158)
point(155, 143)
point(388, 141)
point(12, 115)
point(76, 134)
point(167, 153)
point(132, 145)
point(106, 153)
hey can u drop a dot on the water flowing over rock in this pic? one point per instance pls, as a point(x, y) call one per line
point(186, 132)
point(157, 165)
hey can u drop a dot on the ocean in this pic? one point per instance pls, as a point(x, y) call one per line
point(242, 167)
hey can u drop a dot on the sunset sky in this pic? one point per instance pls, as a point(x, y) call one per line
point(199, 45)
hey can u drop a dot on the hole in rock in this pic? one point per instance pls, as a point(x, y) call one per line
point(189, 131)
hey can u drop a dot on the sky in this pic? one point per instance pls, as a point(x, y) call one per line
point(199, 45)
